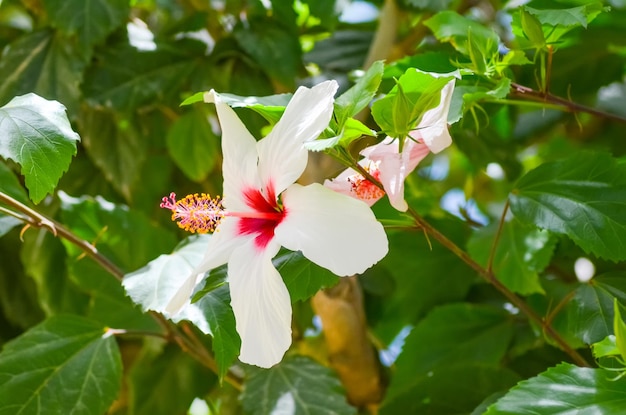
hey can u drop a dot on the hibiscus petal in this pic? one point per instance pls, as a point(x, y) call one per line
point(433, 128)
point(239, 167)
point(219, 249)
point(334, 231)
point(282, 157)
point(261, 305)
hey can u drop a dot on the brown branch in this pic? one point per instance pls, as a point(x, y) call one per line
point(189, 343)
point(525, 92)
point(488, 276)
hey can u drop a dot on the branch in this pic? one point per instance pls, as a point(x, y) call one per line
point(487, 275)
point(189, 343)
point(525, 92)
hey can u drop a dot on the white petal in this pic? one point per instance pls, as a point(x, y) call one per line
point(282, 157)
point(261, 305)
point(219, 249)
point(433, 128)
point(239, 150)
point(335, 231)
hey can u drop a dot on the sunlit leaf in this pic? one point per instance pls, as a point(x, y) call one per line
point(359, 95)
point(60, 365)
point(297, 385)
point(36, 134)
point(583, 197)
point(565, 389)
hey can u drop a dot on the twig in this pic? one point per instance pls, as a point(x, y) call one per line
point(487, 275)
point(525, 92)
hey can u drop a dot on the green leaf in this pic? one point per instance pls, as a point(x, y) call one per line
point(352, 130)
point(164, 380)
point(575, 16)
point(591, 310)
point(532, 28)
point(10, 185)
point(44, 260)
point(619, 328)
point(583, 197)
point(89, 20)
point(402, 108)
point(460, 332)
point(58, 366)
point(606, 347)
point(43, 63)
point(270, 107)
point(154, 285)
point(565, 389)
point(521, 254)
point(145, 78)
point(449, 26)
point(302, 277)
point(445, 391)
point(359, 95)
point(36, 134)
point(193, 145)
point(297, 383)
point(268, 42)
point(115, 146)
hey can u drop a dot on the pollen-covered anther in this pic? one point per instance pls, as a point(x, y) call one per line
point(362, 187)
point(195, 213)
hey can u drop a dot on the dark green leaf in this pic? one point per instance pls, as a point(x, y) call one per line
point(193, 145)
point(302, 277)
point(36, 134)
point(45, 64)
point(269, 42)
point(89, 20)
point(145, 78)
point(115, 146)
point(565, 389)
point(583, 197)
point(10, 185)
point(62, 365)
point(451, 390)
point(591, 310)
point(521, 254)
point(43, 258)
point(164, 380)
point(448, 337)
point(297, 383)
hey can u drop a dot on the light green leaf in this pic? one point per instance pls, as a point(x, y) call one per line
point(58, 366)
point(36, 134)
point(605, 348)
point(270, 107)
point(532, 28)
point(575, 16)
point(299, 385)
point(521, 254)
point(591, 310)
point(565, 389)
point(89, 20)
point(402, 108)
point(193, 145)
point(352, 130)
point(449, 26)
point(359, 95)
point(619, 328)
point(583, 197)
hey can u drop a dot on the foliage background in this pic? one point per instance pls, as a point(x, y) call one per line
point(430, 335)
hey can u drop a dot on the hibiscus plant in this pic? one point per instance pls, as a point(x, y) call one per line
point(306, 207)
